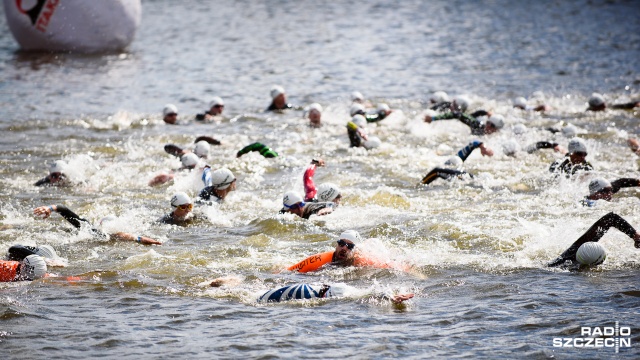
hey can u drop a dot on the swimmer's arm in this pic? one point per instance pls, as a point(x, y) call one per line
point(252, 147)
point(43, 181)
point(467, 150)
point(122, 236)
point(634, 145)
point(445, 116)
point(174, 150)
point(70, 216)
point(161, 179)
point(479, 113)
point(543, 145)
point(441, 173)
point(624, 183)
point(307, 179)
point(626, 106)
point(208, 139)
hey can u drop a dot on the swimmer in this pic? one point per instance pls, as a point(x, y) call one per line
point(357, 98)
point(601, 189)
point(438, 97)
point(357, 135)
point(294, 203)
point(634, 145)
point(216, 107)
point(478, 127)
point(453, 164)
point(338, 290)
point(202, 147)
point(48, 253)
point(32, 267)
point(574, 161)
point(278, 99)
point(379, 114)
point(521, 103)
point(218, 184)
point(458, 105)
point(56, 175)
point(170, 114)
point(595, 233)
point(78, 222)
point(544, 145)
point(189, 162)
point(325, 192)
point(264, 150)
point(597, 103)
point(181, 214)
point(314, 114)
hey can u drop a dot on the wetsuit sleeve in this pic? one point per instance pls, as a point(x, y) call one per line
point(479, 113)
point(206, 176)
point(467, 150)
point(261, 148)
point(309, 186)
point(442, 174)
point(19, 252)
point(625, 106)
point(441, 106)
point(557, 165)
point(173, 150)
point(470, 121)
point(354, 138)
point(200, 117)
point(208, 139)
point(379, 116)
point(43, 181)
point(70, 216)
point(624, 183)
point(445, 116)
point(540, 145)
point(314, 208)
point(595, 233)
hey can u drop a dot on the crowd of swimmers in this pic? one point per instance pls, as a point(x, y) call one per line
point(29, 263)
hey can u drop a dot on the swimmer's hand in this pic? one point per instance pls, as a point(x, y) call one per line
point(428, 119)
point(318, 162)
point(636, 240)
point(398, 299)
point(559, 149)
point(161, 179)
point(325, 211)
point(485, 151)
point(634, 145)
point(44, 211)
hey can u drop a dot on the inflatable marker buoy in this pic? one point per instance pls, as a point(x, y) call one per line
point(73, 25)
point(591, 253)
point(312, 263)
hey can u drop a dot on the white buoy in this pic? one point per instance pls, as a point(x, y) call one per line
point(591, 253)
point(73, 25)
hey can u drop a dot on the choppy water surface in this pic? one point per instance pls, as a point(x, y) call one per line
point(477, 249)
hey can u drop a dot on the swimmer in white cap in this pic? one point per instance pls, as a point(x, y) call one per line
point(218, 184)
point(32, 267)
point(634, 145)
point(294, 203)
point(379, 114)
point(56, 175)
point(357, 135)
point(574, 161)
point(595, 233)
point(596, 103)
point(601, 189)
point(19, 252)
point(181, 214)
point(314, 114)
point(477, 126)
point(278, 99)
point(325, 192)
point(453, 165)
point(216, 107)
point(337, 290)
point(521, 103)
point(201, 147)
point(78, 223)
point(170, 114)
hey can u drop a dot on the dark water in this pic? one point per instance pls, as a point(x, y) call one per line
point(477, 250)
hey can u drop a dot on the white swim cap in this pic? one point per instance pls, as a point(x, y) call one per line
point(357, 96)
point(58, 166)
point(497, 121)
point(222, 178)
point(569, 131)
point(189, 160)
point(169, 109)
point(453, 162)
point(356, 109)
point(33, 267)
point(596, 100)
point(577, 145)
point(372, 142)
point(315, 106)
point(519, 129)
point(352, 235)
point(180, 198)
point(510, 147)
point(328, 192)
point(202, 149)
point(598, 184)
point(591, 253)
point(359, 120)
point(383, 107)
point(439, 97)
point(215, 101)
point(46, 251)
point(276, 90)
point(291, 198)
point(463, 102)
point(520, 102)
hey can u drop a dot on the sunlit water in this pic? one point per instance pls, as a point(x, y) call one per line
point(477, 249)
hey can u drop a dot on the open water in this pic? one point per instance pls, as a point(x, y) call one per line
point(477, 249)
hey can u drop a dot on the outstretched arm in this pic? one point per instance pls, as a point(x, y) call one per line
point(624, 183)
point(595, 233)
point(442, 174)
point(66, 213)
point(123, 236)
point(208, 139)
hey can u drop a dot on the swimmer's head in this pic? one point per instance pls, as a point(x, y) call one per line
point(577, 145)
point(314, 114)
point(359, 120)
point(169, 110)
point(222, 179)
point(189, 160)
point(601, 188)
point(461, 102)
point(439, 97)
point(519, 129)
point(276, 91)
point(179, 199)
point(596, 101)
point(510, 147)
point(569, 131)
point(453, 162)
point(383, 107)
point(356, 109)
point(216, 105)
point(591, 253)
point(329, 192)
point(293, 202)
point(202, 149)
point(494, 123)
point(58, 166)
point(33, 267)
point(357, 97)
point(351, 235)
point(520, 103)
point(346, 244)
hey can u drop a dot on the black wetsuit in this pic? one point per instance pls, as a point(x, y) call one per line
point(171, 220)
point(355, 140)
point(568, 168)
point(595, 232)
point(447, 174)
point(540, 145)
point(273, 107)
point(77, 221)
point(20, 252)
point(378, 116)
point(477, 126)
point(47, 181)
point(261, 148)
point(201, 117)
point(312, 208)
